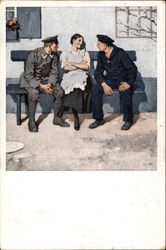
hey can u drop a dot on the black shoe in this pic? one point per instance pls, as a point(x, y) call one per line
point(96, 124)
point(59, 122)
point(126, 125)
point(32, 126)
point(76, 123)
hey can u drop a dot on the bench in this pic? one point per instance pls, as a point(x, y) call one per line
point(13, 88)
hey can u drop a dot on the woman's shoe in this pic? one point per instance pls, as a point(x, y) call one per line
point(76, 123)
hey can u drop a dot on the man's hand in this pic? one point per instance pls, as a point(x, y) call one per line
point(46, 88)
point(124, 86)
point(107, 89)
point(50, 86)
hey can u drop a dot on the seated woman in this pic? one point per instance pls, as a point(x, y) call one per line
point(75, 81)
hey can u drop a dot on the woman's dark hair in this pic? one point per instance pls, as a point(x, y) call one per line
point(75, 36)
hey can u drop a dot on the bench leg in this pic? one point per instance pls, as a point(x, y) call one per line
point(18, 109)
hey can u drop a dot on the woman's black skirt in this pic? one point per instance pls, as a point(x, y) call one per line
point(79, 100)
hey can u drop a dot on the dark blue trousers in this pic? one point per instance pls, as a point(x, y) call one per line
point(125, 99)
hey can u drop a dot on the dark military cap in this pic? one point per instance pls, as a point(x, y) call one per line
point(51, 39)
point(105, 39)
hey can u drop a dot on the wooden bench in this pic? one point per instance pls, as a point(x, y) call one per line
point(13, 88)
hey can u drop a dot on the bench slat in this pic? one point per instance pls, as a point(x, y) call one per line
point(15, 89)
point(21, 55)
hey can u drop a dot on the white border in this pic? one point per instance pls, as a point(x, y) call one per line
point(84, 210)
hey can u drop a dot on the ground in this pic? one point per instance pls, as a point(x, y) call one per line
point(104, 148)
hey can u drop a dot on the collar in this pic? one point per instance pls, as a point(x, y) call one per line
point(72, 51)
point(113, 52)
point(45, 55)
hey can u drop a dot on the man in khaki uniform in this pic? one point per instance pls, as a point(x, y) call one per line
point(41, 74)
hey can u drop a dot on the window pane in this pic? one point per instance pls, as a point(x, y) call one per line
point(9, 15)
point(133, 23)
point(145, 23)
point(122, 26)
point(154, 22)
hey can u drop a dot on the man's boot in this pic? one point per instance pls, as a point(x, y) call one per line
point(57, 120)
point(32, 109)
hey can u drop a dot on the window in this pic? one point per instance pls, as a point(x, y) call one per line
point(136, 22)
point(11, 12)
point(12, 25)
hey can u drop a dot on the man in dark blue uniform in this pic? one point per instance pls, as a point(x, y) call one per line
point(114, 70)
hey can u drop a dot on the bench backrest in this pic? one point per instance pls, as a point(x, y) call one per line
point(21, 55)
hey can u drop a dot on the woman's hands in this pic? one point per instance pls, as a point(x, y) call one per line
point(69, 67)
point(73, 66)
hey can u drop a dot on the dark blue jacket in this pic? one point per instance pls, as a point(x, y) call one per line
point(116, 69)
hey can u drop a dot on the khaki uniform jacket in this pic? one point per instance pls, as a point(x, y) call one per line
point(39, 67)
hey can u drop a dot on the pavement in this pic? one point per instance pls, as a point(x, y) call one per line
point(104, 148)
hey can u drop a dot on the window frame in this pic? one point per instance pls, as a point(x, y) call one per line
point(127, 25)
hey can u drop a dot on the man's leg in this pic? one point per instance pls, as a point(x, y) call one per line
point(33, 95)
point(58, 94)
point(127, 108)
point(97, 106)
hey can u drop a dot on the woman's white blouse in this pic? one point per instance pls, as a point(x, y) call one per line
point(75, 78)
